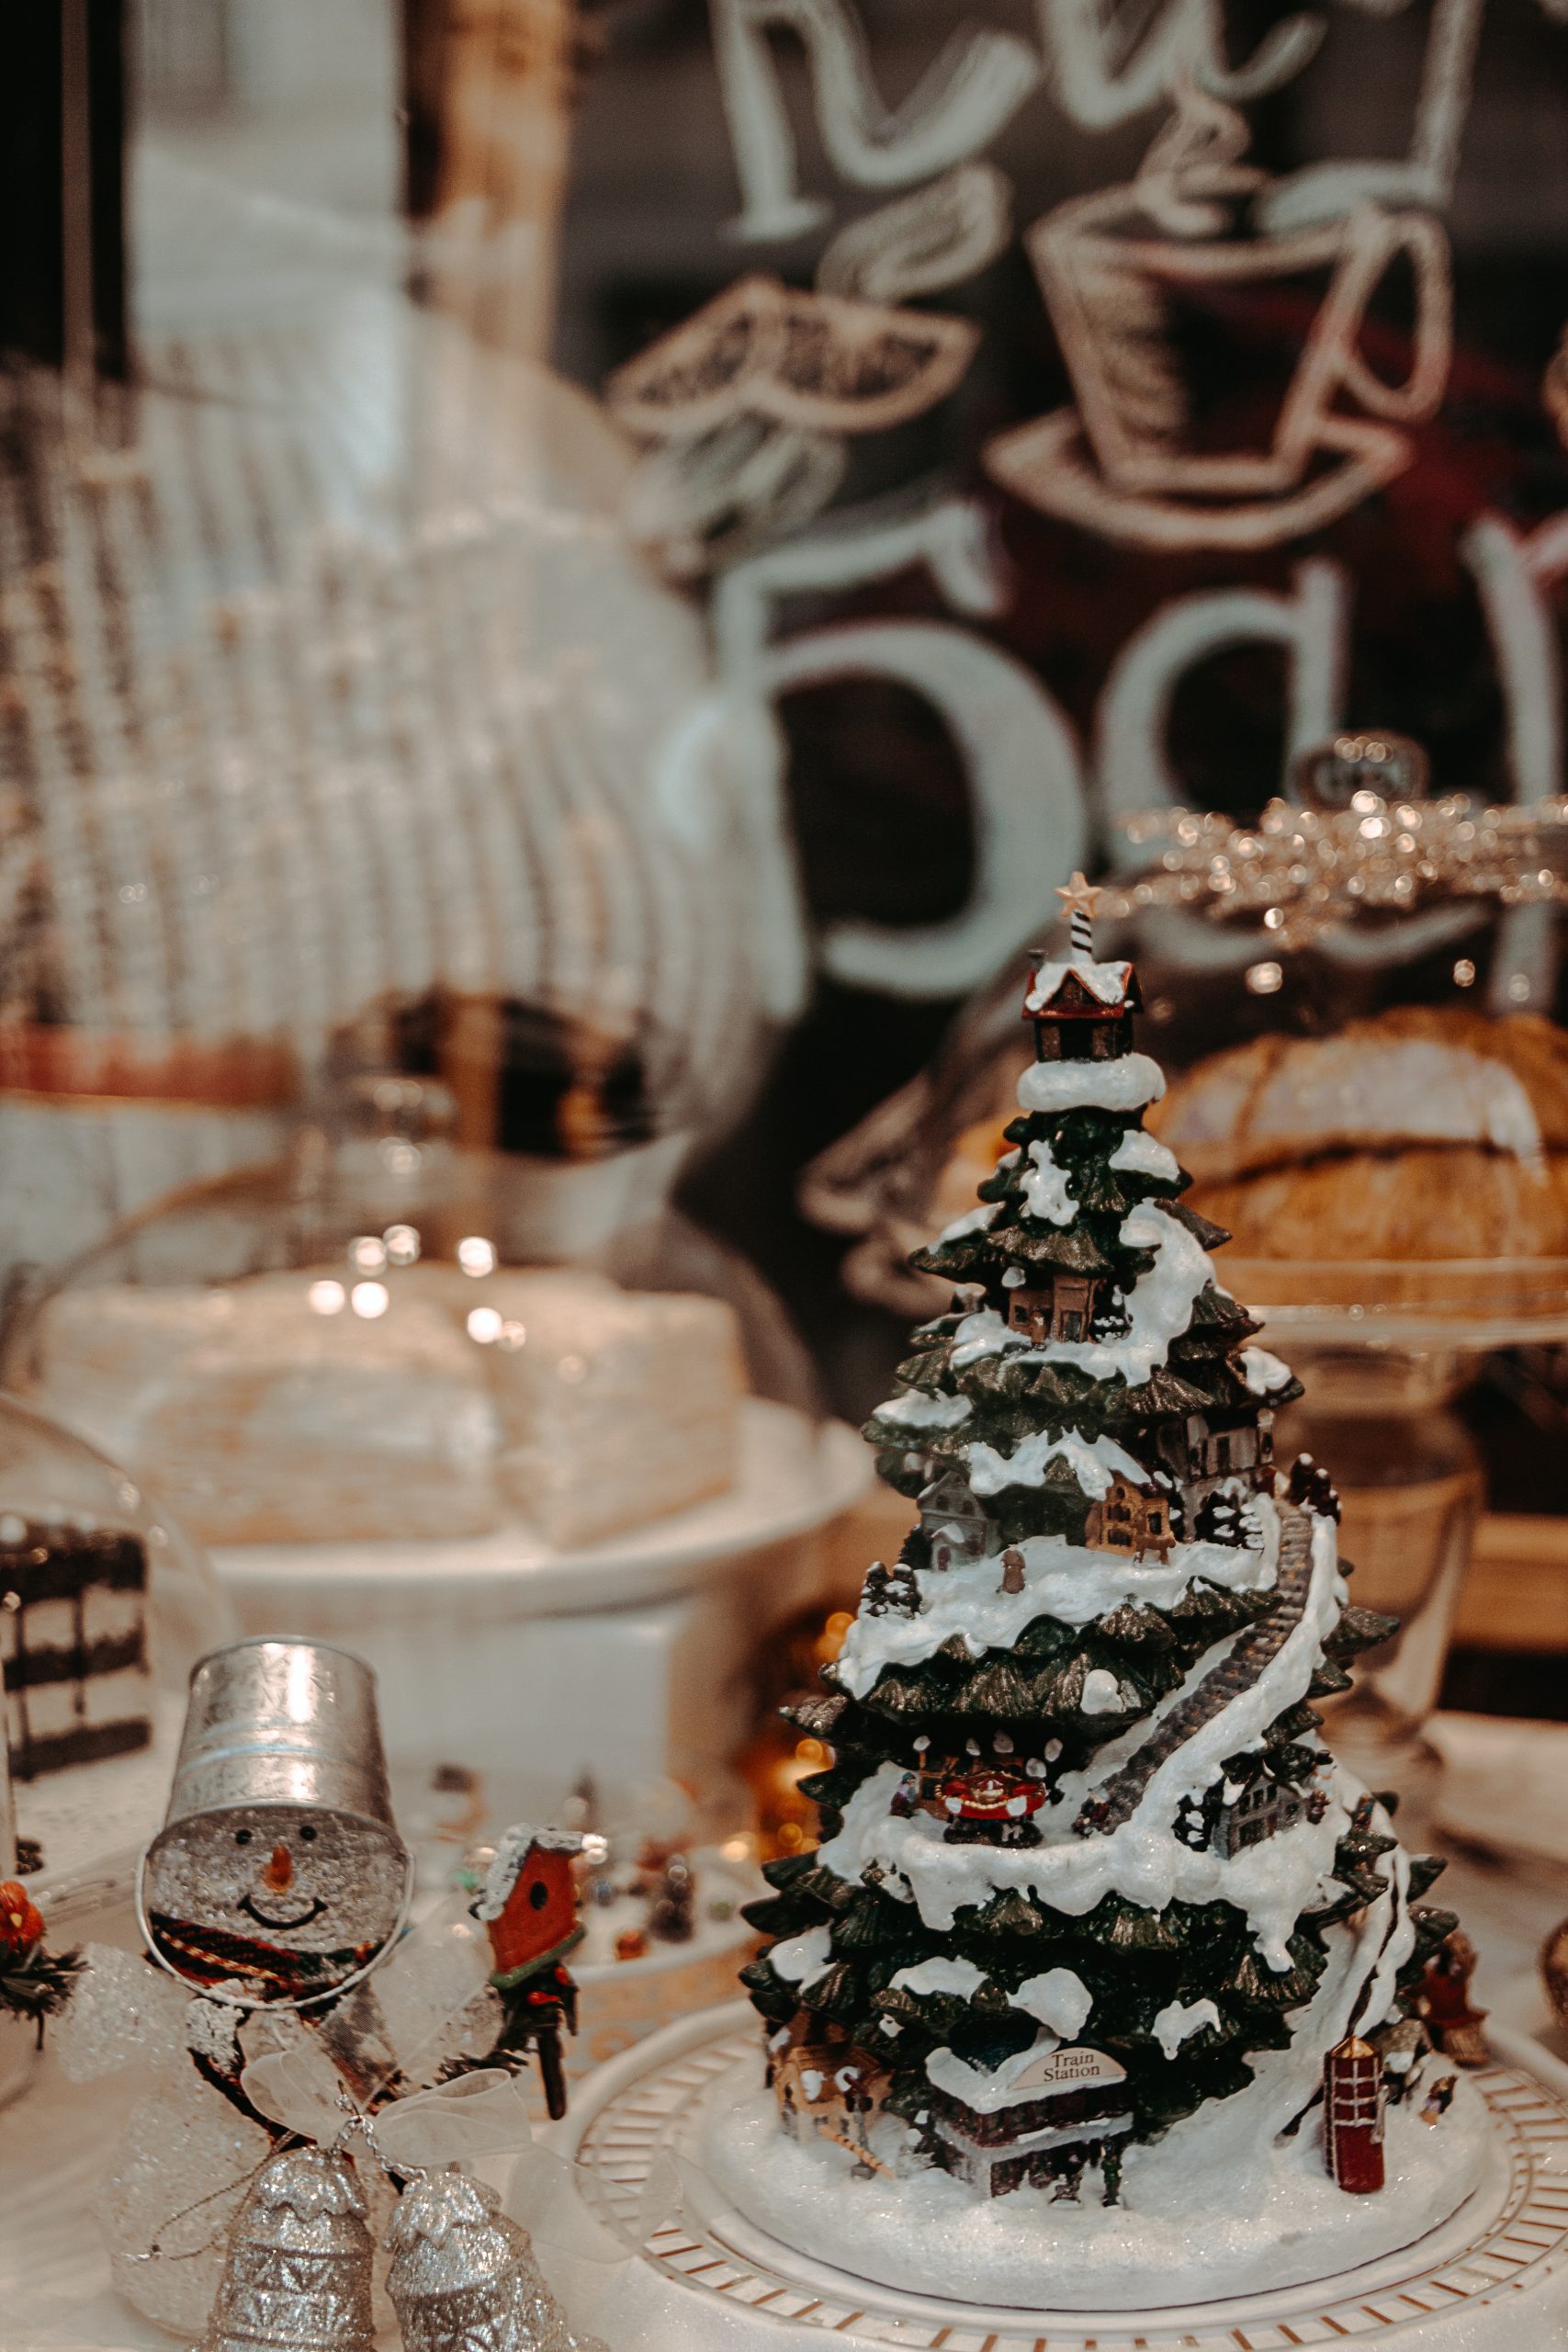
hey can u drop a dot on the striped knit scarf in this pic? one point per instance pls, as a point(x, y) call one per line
point(216, 1956)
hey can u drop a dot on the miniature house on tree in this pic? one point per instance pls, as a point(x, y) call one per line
point(1228, 1820)
point(958, 1530)
point(826, 2086)
point(1082, 1011)
point(1204, 1450)
point(1260, 1811)
point(1048, 2115)
point(1061, 1308)
point(1132, 1519)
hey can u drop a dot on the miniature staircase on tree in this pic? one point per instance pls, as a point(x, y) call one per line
point(1122, 1795)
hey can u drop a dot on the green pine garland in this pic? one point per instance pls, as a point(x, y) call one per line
point(37, 1984)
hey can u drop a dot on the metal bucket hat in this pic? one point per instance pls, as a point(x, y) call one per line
point(280, 1721)
point(286, 1722)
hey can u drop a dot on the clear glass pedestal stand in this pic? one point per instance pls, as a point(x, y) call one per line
point(1384, 1350)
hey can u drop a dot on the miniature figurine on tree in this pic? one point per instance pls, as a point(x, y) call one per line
point(1086, 1864)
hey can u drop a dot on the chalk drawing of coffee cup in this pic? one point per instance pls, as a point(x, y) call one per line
point(1222, 397)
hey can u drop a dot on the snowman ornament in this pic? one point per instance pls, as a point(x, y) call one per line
point(274, 1894)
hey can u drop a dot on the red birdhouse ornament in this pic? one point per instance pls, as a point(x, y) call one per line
point(538, 1919)
point(528, 1902)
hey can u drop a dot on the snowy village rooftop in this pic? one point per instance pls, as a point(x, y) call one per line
point(1079, 983)
point(1110, 985)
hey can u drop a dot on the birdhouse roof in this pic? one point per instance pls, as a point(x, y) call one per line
point(1082, 989)
point(511, 1852)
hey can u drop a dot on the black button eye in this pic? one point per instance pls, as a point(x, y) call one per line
point(538, 1894)
point(307, 1834)
point(242, 1837)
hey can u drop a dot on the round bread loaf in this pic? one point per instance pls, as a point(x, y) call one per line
point(1417, 1134)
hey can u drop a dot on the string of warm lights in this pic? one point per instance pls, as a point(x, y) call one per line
point(1309, 864)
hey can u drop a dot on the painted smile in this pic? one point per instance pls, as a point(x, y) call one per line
point(270, 1919)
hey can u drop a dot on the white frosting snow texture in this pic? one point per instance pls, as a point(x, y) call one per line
point(800, 1960)
point(1059, 1999)
point(1261, 2213)
point(972, 1220)
point(1144, 1155)
point(1060, 1580)
point(1046, 1190)
point(1273, 1883)
point(1179, 2020)
point(1094, 1462)
point(1124, 1085)
point(1262, 1373)
point(921, 1408)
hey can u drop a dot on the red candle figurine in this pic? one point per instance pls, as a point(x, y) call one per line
point(1353, 2115)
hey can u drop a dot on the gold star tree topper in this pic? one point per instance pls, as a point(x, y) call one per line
point(1080, 897)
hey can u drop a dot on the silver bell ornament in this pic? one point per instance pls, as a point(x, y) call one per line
point(463, 2278)
point(297, 2275)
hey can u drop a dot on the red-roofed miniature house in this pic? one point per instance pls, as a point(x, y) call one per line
point(1082, 1010)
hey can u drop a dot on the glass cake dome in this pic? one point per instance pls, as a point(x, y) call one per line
point(459, 1304)
point(105, 1604)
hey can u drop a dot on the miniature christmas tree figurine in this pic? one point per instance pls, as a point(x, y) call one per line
point(1087, 1863)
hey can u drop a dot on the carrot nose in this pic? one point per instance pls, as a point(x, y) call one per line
point(279, 1872)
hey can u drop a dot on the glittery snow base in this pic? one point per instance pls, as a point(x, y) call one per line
point(1183, 2233)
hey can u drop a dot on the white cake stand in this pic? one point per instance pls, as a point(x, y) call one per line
point(704, 2279)
point(625, 1657)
